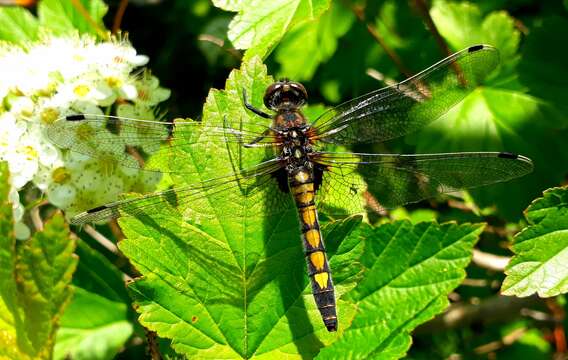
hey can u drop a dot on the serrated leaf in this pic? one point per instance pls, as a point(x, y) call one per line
point(10, 317)
point(64, 18)
point(259, 24)
point(34, 283)
point(18, 25)
point(500, 115)
point(318, 38)
point(98, 289)
point(92, 327)
point(44, 270)
point(540, 263)
point(409, 271)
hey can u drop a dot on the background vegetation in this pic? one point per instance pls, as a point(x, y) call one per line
point(228, 288)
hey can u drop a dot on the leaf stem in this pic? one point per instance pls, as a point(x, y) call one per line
point(117, 22)
point(425, 14)
point(81, 9)
point(359, 12)
point(101, 239)
point(490, 261)
point(497, 309)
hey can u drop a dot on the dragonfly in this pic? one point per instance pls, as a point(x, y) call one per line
point(303, 167)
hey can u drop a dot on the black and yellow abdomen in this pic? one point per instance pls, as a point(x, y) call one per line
point(302, 187)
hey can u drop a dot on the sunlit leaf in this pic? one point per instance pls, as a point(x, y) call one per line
point(317, 39)
point(93, 327)
point(65, 17)
point(260, 24)
point(18, 25)
point(540, 264)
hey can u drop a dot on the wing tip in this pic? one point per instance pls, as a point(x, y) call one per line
point(480, 47)
point(75, 117)
point(97, 214)
point(508, 155)
point(475, 48)
point(97, 209)
point(513, 156)
point(526, 162)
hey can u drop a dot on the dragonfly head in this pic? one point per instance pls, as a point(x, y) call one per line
point(285, 94)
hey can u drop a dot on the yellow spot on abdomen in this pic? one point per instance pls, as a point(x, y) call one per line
point(317, 259)
point(308, 215)
point(321, 279)
point(304, 198)
point(303, 188)
point(313, 237)
point(301, 177)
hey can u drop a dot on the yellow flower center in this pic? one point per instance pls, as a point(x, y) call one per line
point(30, 153)
point(49, 115)
point(60, 175)
point(113, 81)
point(81, 90)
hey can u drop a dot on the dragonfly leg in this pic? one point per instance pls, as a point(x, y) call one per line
point(252, 108)
point(255, 142)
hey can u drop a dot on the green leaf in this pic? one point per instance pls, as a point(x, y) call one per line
point(65, 18)
point(259, 25)
point(318, 38)
point(500, 115)
point(462, 25)
point(10, 317)
point(34, 281)
point(92, 327)
point(18, 25)
point(99, 289)
point(44, 270)
point(408, 272)
point(541, 249)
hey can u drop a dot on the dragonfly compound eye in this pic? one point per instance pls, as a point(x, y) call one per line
point(285, 94)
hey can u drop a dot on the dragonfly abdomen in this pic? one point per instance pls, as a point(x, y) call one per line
point(302, 188)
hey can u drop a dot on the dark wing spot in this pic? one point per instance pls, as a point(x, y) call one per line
point(508, 155)
point(97, 209)
point(475, 48)
point(171, 198)
point(76, 117)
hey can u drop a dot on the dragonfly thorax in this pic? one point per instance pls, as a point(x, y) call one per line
point(296, 147)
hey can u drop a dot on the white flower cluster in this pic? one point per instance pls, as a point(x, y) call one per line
point(55, 77)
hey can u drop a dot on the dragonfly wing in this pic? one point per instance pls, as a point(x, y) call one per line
point(127, 141)
point(254, 191)
point(410, 105)
point(352, 181)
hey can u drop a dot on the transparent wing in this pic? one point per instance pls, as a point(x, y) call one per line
point(352, 181)
point(410, 105)
point(127, 140)
point(249, 193)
